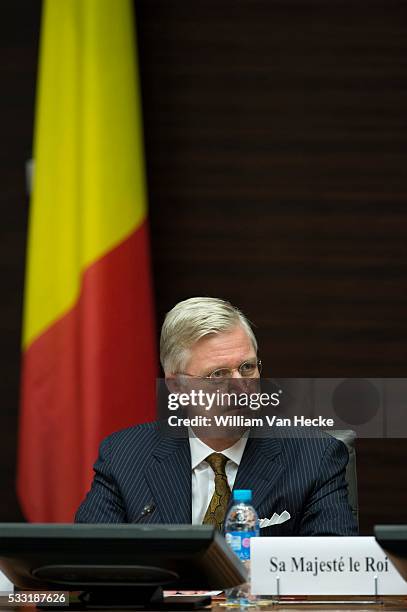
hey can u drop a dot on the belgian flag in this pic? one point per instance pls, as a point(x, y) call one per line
point(89, 356)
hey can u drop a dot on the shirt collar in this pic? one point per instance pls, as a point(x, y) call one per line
point(200, 450)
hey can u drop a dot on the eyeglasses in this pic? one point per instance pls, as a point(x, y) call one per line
point(247, 369)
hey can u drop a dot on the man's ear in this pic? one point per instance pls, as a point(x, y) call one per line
point(173, 384)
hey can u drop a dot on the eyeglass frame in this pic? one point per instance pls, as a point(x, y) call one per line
point(259, 366)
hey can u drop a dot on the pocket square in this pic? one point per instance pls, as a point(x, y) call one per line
point(276, 519)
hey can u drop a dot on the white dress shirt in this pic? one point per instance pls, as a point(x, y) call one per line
point(203, 476)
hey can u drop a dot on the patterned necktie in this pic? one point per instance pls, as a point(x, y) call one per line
point(215, 514)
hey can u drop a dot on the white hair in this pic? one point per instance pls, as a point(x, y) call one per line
point(191, 320)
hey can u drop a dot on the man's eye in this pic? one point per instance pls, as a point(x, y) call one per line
point(248, 368)
point(222, 373)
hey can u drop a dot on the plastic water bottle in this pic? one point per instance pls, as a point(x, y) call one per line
point(242, 524)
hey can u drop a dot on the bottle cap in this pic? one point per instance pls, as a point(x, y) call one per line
point(242, 495)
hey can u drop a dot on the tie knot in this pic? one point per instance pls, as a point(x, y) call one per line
point(217, 461)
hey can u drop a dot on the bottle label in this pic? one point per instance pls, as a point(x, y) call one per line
point(239, 542)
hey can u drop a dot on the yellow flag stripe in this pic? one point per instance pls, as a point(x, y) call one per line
point(89, 185)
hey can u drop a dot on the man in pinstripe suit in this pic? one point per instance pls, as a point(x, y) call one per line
point(142, 475)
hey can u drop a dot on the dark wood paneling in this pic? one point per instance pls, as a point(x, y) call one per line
point(19, 29)
point(276, 137)
point(276, 140)
point(276, 134)
point(381, 468)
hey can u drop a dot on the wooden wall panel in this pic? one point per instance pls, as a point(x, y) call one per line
point(276, 140)
point(19, 28)
point(276, 134)
point(276, 137)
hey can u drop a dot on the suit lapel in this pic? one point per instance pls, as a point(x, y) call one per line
point(169, 475)
point(169, 478)
point(260, 467)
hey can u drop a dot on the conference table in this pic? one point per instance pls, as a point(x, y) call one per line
point(352, 604)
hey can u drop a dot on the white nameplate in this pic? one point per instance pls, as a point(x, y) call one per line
point(322, 566)
point(5, 585)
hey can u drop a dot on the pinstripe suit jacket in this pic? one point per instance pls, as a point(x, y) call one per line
point(140, 466)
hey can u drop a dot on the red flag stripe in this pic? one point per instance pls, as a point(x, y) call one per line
point(90, 373)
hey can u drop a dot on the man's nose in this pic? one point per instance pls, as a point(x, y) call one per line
point(236, 382)
point(236, 373)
